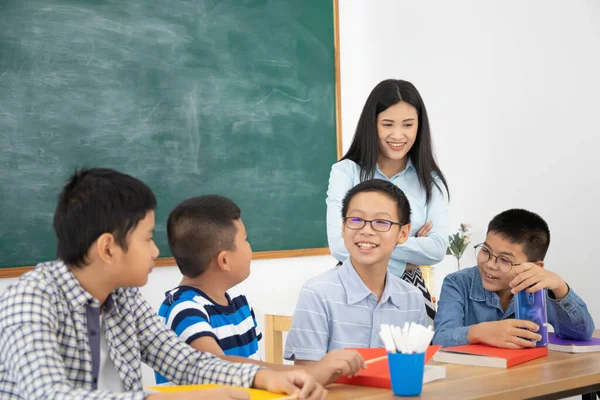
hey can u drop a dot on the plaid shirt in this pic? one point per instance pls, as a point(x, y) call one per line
point(45, 350)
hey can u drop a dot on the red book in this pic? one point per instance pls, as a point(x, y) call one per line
point(487, 356)
point(378, 373)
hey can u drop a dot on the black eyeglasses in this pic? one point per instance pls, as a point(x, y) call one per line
point(379, 225)
point(484, 254)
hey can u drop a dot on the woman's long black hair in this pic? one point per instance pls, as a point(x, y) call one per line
point(364, 149)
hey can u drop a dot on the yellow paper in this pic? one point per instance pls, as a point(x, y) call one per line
point(255, 394)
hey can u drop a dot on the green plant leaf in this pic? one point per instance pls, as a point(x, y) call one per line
point(455, 249)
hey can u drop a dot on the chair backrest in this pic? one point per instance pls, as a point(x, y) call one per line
point(274, 327)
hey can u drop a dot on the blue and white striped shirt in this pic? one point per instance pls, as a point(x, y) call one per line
point(336, 310)
point(192, 314)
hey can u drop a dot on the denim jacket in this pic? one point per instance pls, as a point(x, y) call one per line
point(465, 302)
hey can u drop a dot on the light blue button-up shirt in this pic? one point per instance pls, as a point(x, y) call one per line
point(465, 302)
point(427, 250)
point(336, 310)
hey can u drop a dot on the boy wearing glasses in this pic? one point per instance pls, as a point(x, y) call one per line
point(345, 306)
point(209, 243)
point(477, 304)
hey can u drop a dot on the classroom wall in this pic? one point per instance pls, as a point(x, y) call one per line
point(511, 89)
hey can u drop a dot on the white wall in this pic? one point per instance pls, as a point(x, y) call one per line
point(511, 89)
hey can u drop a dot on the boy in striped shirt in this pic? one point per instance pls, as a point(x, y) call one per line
point(209, 242)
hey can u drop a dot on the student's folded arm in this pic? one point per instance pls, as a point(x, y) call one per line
point(570, 317)
point(430, 249)
point(339, 183)
point(171, 357)
point(29, 348)
point(309, 334)
point(449, 326)
point(208, 344)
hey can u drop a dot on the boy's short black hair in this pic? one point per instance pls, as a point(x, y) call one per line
point(198, 229)
point(523, 227)
point(385, 187)
point(96, 201)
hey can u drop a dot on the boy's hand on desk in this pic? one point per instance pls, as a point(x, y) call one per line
point(294, 382)
point(532, 277)
point(335, 364)
point(509, 333)
point(212, 394)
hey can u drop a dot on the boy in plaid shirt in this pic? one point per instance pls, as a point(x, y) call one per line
point(78, 327)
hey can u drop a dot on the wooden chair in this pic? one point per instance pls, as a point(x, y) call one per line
point(274, 327)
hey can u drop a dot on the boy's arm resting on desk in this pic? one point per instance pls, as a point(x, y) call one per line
point(204, 339)
point(335, 364)
point(324, 371)
point(163, 351)
point(29, 347)
point(208, 344)
point(282, 380)
point(451, 329)
point(507, 333)
point(570, 317)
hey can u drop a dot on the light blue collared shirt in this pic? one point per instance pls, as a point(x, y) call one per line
point(336, 310)
point(465, 302)
point(427, 250)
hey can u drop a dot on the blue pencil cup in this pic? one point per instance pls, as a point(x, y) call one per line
point(406, 373)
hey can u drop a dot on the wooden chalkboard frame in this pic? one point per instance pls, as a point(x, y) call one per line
point(263, 255)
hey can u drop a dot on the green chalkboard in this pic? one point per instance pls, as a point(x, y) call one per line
point(193, 97)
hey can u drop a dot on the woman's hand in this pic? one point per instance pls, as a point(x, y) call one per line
point(424, 231)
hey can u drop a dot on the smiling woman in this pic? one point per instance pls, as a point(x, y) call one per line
point(393, 142)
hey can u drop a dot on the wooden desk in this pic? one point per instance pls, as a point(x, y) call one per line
point(556, 376)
